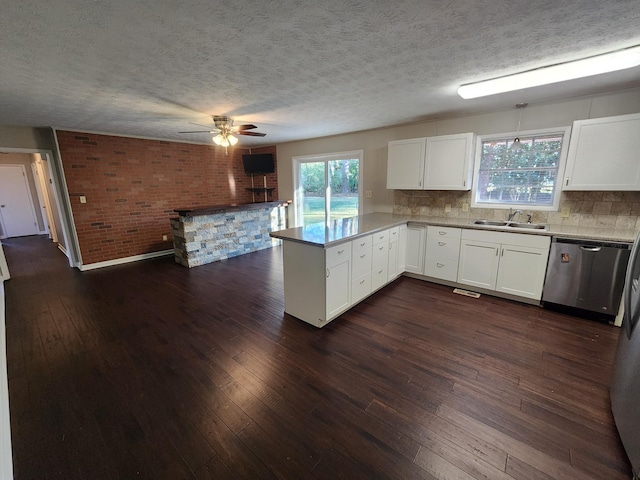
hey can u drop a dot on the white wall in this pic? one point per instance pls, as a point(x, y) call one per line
point(374, 142)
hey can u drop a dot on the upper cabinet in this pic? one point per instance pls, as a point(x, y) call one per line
point(603, 154)
point(405, 165)
point(434, 163)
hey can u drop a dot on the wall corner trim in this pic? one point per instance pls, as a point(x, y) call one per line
point(120, 261)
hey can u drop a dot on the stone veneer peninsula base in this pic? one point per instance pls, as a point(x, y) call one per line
point(203, 235)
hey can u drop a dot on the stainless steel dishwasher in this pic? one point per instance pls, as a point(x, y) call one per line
point(586, 274)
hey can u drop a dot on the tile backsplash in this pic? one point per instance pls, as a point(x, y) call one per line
point(588, 209)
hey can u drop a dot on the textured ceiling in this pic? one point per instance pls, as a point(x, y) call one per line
point(296, 68)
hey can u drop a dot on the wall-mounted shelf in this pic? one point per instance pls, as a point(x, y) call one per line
point(260, 189)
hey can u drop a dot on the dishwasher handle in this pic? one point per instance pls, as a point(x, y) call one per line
point(590, 248)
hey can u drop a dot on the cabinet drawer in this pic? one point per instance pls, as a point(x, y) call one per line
point(444, 269)
point(394, 234)
point(450, 232)
point(361, 262)
point(443, 248)
point(360, 287)
point(337, 254)
point(381, 237)
point(360, 244)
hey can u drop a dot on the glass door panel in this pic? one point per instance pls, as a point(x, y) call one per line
point(313, 191)
point(343, 191)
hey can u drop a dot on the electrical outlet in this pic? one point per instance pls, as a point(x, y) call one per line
point(465, 207)
point(164, 238)
point(368, 194)
point(565, 212)
point(83, 199)
point(447, 208)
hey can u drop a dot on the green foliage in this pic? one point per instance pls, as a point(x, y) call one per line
point(343, 177)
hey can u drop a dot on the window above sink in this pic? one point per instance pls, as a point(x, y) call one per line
point(526, 177)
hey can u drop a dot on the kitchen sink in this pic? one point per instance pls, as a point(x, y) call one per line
point(507, 224)
point(493, 223)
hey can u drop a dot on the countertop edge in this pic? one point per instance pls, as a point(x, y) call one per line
point(554, 230)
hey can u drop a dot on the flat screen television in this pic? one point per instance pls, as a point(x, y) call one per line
point(261, 163)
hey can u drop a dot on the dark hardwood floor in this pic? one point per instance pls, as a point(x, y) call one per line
point(152, 370)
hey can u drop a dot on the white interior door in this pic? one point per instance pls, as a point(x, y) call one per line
point(16, 207)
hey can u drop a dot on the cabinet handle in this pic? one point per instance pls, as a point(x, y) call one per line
point(381, 247)
point(464, 183)
point(363, 244)
point(363, 255)
point(340, 252)
point(380, 272)
point(502, 253)
point(361, 281)
point(440, 265)
point(566, 182)
point(328, 272)
point(441, 232)
point(442, 244)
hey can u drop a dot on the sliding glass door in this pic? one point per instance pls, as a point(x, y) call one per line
point(327, 187)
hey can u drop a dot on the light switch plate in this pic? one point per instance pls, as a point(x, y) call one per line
point(447, 208)
point(83, 199)
point(565, 212)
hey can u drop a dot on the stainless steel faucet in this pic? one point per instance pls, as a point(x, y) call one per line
point(513, 214)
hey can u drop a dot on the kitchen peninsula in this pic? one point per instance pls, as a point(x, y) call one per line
point(328, 268)
point(203, 235)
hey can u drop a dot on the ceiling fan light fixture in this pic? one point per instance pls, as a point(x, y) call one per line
point(586, 67)
point(232, 140)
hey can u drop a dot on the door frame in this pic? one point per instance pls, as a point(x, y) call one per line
point(296, 161)
point(29, 196)
point(62, 203)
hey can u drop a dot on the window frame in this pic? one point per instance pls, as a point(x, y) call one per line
point(296, 162)
point(566, 135)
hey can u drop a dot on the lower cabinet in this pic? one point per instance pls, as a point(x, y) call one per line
point(416, 235)
point(443, 249)
point(380, 264)
point(320, 284)
point(510, 263)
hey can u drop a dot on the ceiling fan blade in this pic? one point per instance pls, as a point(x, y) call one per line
point(200, 125)
point(251, 134)
point(246, 127)
point(200, 131)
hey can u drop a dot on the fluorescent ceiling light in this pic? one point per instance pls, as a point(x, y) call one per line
point(609, 62)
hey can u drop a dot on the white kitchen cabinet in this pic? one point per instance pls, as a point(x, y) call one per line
point(316, 281)
point(478, 264)
point(338, 279)
point(414, 258)
point(522, 270)
point(443, 162)
point(603, 154)
point(393, 265)
point(402, 248)
point(442, 252)
point(361, 261)
point(380, 263)
point(405, 163)
point(510, 263)
point(449, 162)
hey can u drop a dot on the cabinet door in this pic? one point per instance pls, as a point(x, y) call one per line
point(603, 154)
point(337, 288)
point(405, 163)
point(415, 249)
point(393, 260)
point(478, 264)
point(380, 265)
point(449, 162)
point(522, 270)
point(402, 249)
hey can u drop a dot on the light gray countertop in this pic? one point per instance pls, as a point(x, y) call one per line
point(341, 230)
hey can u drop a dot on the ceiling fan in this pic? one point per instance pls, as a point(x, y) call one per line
point(226, 131)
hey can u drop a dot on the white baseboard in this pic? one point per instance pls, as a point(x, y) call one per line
point(6, 460)
point(120, 261)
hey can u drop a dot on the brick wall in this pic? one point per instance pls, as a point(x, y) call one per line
point(133, 185)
